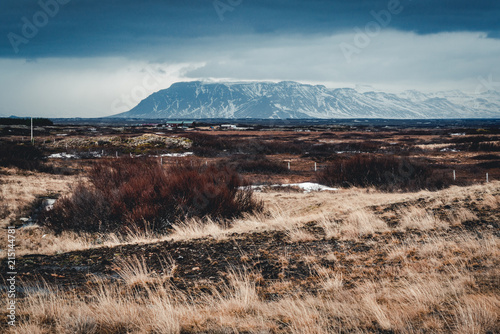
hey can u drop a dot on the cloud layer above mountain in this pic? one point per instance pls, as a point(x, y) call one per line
point(78, 57)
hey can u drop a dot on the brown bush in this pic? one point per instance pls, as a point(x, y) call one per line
point(22, 156)
point(135, 193)
point(255, 164)
point(387, 173)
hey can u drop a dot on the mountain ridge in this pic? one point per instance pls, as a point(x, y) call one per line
point(290, 99)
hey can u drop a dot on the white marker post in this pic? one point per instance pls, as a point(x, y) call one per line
point(315, 167)
point(288, 165)
point(487, 178)
point(454, 176)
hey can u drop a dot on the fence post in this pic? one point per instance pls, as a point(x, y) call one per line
point(487, 178)
point(454, 176)
point(32, 139)
point(315, 167)
point(288, 165)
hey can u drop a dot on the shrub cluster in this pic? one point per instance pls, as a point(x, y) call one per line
point(478, 147)
point(28, 157)
point(258, 164)
point(22, 156)
point(138, 194)
point(386, 173)
point(26, 121)
point(205, 145)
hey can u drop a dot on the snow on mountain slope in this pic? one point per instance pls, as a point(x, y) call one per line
point(295, 100)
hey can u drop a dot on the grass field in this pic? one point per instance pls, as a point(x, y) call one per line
point(355, 260)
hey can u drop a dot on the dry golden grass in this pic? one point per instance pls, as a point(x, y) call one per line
point(18, 190)
point(347, 214)
point(134, 271)
point(433, 302)
point(434, 279)
point(418, 218)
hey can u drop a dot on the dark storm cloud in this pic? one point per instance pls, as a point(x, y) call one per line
point(81, 28)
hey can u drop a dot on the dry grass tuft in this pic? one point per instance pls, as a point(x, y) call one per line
point(331, 281)
point(363, 222)
point(300, 235)
point(477, 314)
point(460, 216)
point(418, 218)
point(134, 271)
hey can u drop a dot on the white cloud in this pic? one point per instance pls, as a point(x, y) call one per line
point(93, 87)
point(392, 60)
point(90, 87)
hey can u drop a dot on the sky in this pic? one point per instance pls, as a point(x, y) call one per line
point(89, 58)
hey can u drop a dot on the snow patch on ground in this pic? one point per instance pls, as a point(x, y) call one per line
point(62, 156)
point(177, 155)
point(307, 187)
point(65, 155)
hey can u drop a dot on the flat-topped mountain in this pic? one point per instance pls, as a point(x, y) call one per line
point(197, 100)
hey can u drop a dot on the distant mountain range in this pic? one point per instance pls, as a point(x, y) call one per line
point(198, 100)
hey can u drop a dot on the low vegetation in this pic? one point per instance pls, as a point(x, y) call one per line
point(259, 164)
point(387, 173)
point(22, 156)
point(25, 121)
point(138, 194)
point(178, 244)
point(372, 265)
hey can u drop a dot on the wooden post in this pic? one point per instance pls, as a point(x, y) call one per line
point(32, 139)
point(161, 161)
point(116, 154)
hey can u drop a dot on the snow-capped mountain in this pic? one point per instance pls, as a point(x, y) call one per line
point(195, 100)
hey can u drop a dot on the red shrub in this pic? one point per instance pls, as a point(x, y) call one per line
point(387, 173)
point(135, 192)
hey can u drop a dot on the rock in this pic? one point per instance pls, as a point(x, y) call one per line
point(48, 204)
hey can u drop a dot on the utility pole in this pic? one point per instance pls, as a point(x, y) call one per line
point(32, 139)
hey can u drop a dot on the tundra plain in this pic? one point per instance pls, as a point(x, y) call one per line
point(382, 253)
